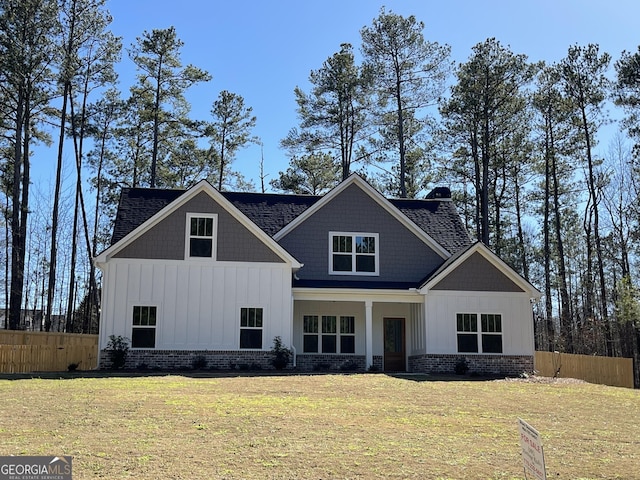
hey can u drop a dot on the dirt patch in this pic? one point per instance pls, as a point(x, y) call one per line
point(544, 380)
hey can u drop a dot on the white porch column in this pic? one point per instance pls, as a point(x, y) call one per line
point(368, 333)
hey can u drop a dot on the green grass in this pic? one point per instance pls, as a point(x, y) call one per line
point(319, 427)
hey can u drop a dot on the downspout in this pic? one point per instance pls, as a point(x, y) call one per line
point(293, 348)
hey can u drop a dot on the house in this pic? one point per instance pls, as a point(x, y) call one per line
point(348, 280)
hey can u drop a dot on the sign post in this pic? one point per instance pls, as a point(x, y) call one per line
point(532, 453)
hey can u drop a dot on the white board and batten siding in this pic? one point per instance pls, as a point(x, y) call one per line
point(441, 308)
point(198, 304)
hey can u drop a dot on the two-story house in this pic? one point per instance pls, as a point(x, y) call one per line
point(348, 279)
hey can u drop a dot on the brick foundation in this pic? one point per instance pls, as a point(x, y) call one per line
point(334, 362)
point(194, 359)
point(508, 365)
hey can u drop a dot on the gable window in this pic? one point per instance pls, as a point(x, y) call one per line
point(485, 337)
point(328, 334)
point(143, 330)
point(251, 327)
point(353, 253)
point(201, 235)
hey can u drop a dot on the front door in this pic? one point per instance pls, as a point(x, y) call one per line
point(394, 354)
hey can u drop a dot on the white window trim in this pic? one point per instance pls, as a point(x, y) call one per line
point(480, 332)
point(214, 235)
point(354, 255)
point(262, 328)
point(132, 326)
point(337, 334)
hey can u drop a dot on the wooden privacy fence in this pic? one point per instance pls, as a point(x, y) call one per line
point(22, 351)
point(614, 371)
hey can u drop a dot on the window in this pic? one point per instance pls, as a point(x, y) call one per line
point(250, 327)
point(143, 331)
point(326, 335)
point(201, 229)
point(347, 335)
point(353, 253)
point(329, 334)
point(467, 324)
point(490, 332)
point(310, 333)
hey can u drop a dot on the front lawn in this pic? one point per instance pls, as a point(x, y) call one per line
point(319, 427)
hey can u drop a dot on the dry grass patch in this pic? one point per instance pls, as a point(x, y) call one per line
point(319, 427)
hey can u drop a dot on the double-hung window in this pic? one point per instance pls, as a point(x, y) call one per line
point(251, 327)
point(482, 337)
point(201, 235)
point(143, 331)
point(353, 253)
point(328, 334)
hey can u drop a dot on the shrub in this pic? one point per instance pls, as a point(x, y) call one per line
point(199, 362)
point(279, 354)
point(321, 367)
point(118, 349)
point(349, 366)
point(461, 367)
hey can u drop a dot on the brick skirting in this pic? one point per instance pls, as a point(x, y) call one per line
point(193, 359)
point(510, 365)
point(318, 362)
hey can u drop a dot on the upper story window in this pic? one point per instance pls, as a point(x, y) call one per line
point(353, 253)
point(201, 235)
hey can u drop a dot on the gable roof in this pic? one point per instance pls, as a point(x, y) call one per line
point(140, 209)
point(436, 217)
point(355, 179)
point(463, 255)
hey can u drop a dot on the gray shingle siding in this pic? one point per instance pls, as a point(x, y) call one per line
point(403, 256)
point(477, 274)
point(166, 240)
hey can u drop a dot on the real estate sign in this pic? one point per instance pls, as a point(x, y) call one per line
point(532, 453)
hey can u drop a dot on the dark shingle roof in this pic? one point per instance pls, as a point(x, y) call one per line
point(137, 205)
point(439, 218)
point(272, 212)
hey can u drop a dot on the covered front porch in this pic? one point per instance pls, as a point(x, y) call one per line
point(340, 329)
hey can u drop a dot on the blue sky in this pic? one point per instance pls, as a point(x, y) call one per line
point(262, 49)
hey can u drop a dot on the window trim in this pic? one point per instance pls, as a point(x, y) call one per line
point(320, 333)
point(479, 333)
point(145, 327)
point(188, 236)
point(354, 254)
point(260, 328)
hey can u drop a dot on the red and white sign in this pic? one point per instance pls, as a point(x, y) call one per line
point(532, 453)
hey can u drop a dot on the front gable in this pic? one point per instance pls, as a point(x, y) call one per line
point(164, 236)
point(404, 253)
point(477, 269)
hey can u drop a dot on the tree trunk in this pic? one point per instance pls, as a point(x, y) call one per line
point(17, 241)
point(156, 124)
point(56, 207)
point(565, 307)
point(548, 304)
